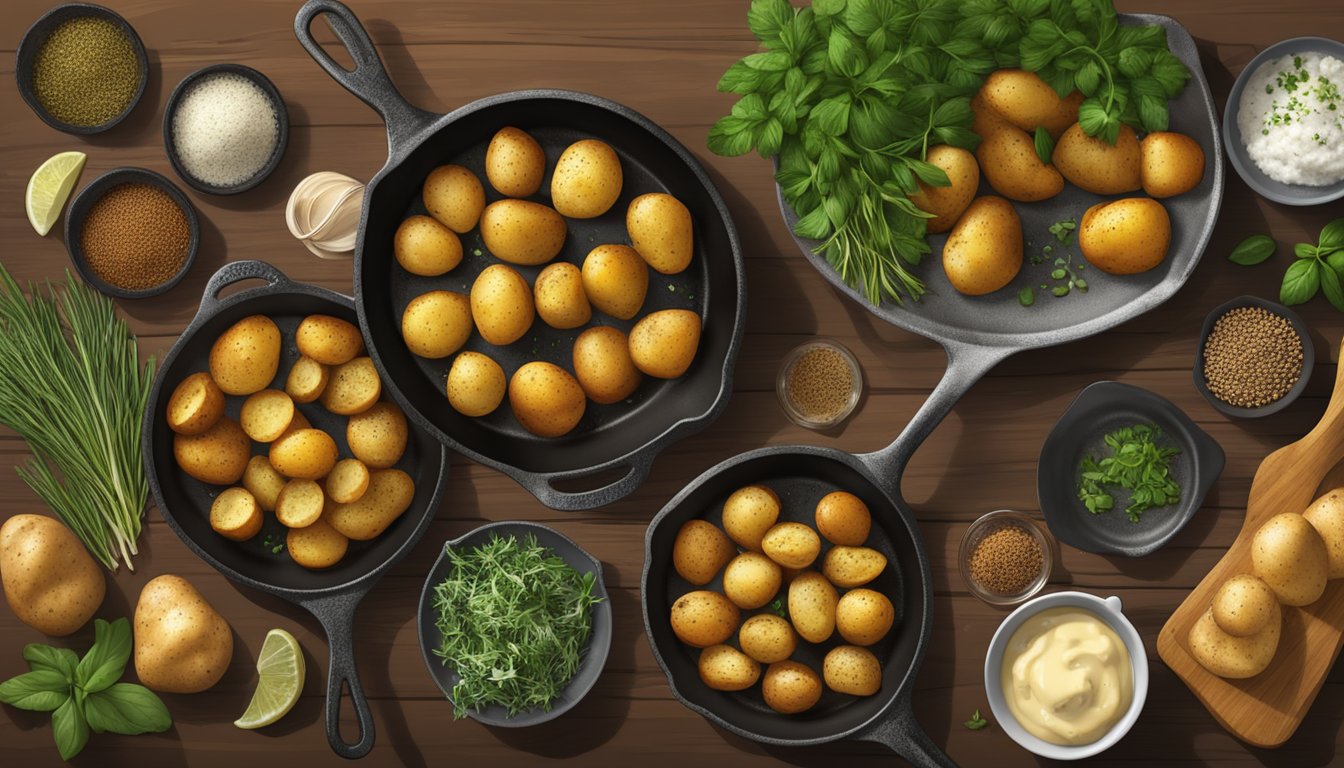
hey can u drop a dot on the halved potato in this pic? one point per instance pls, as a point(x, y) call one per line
point(300, 503)
point(235, 514)
point(195, 405)
point(266, 415)
point(353, 387)
point(306, 381)
point(348, 481)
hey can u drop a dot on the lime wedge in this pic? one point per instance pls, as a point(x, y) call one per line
point(49, 187)
point(280, 666)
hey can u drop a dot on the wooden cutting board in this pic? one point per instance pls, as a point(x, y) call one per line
point(1266, 709)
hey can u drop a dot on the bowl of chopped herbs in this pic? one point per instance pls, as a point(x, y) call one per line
point(1123, 471)
point(515, 624)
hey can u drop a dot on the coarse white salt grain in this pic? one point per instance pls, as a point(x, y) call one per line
point(225, 129)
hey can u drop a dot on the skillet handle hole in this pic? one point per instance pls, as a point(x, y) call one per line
point(585, 483)
point(327, 36)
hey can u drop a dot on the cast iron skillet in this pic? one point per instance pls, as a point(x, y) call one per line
point(619, 439)
point(331, 595)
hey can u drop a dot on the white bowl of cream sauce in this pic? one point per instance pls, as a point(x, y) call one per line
point(1066, 675)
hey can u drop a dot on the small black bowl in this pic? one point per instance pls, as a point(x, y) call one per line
point(1099, 409)
point(281, 118)
point(83, 203)
point(32, 43)
point(1308, 358)
point(599, 637)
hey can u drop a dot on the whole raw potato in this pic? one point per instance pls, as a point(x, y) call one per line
point(792, 545)
point(515, 162)
point(389, 494)
point(378, 436)
point(1095, 165)
point(864, 616)
point(948, 203)
point(615, 280)
point(663, 343)
point(328, 340)
point(603, 365)
point(245, 357)
point(217, 456)
point(560, 299)
point(1172, 164)
point(843, 518)
point(1326, 515)
point(546, 400)
point(748, 513)
point(51, 583)
point(1244, 605)
point(1290, 556)
point(305, 454)
point(853, 670)
point(476, 384)
point(182, 644)
point(1022, 98)
point(436, 324)
point(587, 179)
point(661, 231)
point(1230, 656)
point(700, 551)
point(453, 195)
point(767, 638)
point(1009, 162)
point(522, 232)
point(724, 668)
point(424, 246)
point(852, 566)
point(812, 604)
point(790, 687)
point(751, 580)
point(984, 251)
point(501, 304)
point(703, 618)
point(1125, 237)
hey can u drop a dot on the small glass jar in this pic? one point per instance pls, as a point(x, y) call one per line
point(989, 523)
point(806, 414)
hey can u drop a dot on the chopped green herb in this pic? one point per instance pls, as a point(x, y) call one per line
point(976, 722)
point(1063, 230)
point(1027, 296)
point(777, 607)
point(1139, 463)
point(476, 252)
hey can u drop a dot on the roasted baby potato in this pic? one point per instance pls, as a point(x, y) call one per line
point(1171, 164)
point(436, 324)
point(790, 687)
point(245, 357)
point(423, 246)
point(306, 381)
point(948, 203)
point(1094, 165)
point(984, 251)
point(587, 179)
point(546, 400)
point(1065, 115)
point(455, 197)
point(1326, 515)
point(852, 670)
point(767, 638)
point(304, 454)
point(514, 162)
point(1125, 237)
point(316, 546)
point(615, 280)
point(266, 415)
point(661, 231)
point(522, 232)
point(352, 388)
point(748, 513)
point(235, 514)
point(1289, 554)
point(300, 503)
point(724, 668)
point(663, 343)
point(560, 298)
point(863, 616)
point(1244, 605)
point(182, 644)
point(812, 604)
point(703, 618)
point(328, 340)
point(476, 384)
point(263, 482)
point(389, 494)
point(848, 567)
point(378, 436)
point(700, 551)
point(1231, 656)
point(1010, 164)
point(501, 304)
point(347, 481)
point(195, 405)
point(603, 365)
point(217, 456)
point(843, 518)
point(986, 120)
point(751, 580)
point(792, 545)
point(50, 581)
point(1022, 98)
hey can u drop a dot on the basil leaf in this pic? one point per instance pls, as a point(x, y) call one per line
point(1330, 286)
point(41, 690)
point(773, 61)
point(70, 729)
point(1045, 145)
point(730, 137)
point(929, 173)
point(106, 660)
point(740, 79)
point(814, 226)
point(40, 656)
point(1091, 116)
point(1153, 113)
point(1332, 236)
point(1253, 250)
point(128, 709)
point(1088, 78)
point(1300, 282)
point(1304, 251)
point(1336, 262)
point(767, 18)
point(770, 137)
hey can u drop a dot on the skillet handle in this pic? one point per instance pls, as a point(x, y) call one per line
point(337, 615)
point(966, 363)
point(368, 80)
point(237, 271)
point(903, 734)
point(540, 484)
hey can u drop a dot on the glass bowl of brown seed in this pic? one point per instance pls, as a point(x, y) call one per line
point(819, 384)
point(1254, 357)
point(1005, 557)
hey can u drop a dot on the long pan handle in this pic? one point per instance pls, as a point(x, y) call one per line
point(368, 80)
point(337, 615)
point(903, 735)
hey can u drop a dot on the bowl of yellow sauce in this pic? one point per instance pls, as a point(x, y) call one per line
point(1066, 675)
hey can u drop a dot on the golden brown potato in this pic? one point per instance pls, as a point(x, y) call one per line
point(948, 203)
point(515, 162)
point(454, 196)
point(661, 231)
point(476, 384)
point(245, 357)
point(263, 482)
point(522, 232)
point(1291, 557)
point(546, 400)
point(436, 324)
point(352, 388)
point(1230, 656)
point(560, 298)
point(852, 670)
point(266, 415)
point(1244, 605)
point(425, 247)
point(501, 304)
point(703, 618)
point(306, 381)
point(217, 456)
point(235, 514)
point(790, 687)
point(587, 179)
point(748, 513)
point(700, 550)
point(1094, 165)
point(300, 503)
point(663, 343)
point(195, 405)
point(50, 581)
point(304, 454)
point(848, 567)
point(347, 482)
point(986, 120)
point(616, 280)
point(751, 580)
point(724, 668)
point(812, 604)
point(182, 644)
point(792, 545)
point(1022, 98)
point(1326, 515)
point(863, 616)
point(984, 251)
point(767, 638)
point(1065, 115)
point(378, 436)
point(1172, 164)
point(843, 518)
point(1009, 162)
point(316, 546)
point(1125, 237)
point(389, 495)
point(603, 365)
point(328, 340)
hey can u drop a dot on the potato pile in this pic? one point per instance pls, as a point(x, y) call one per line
point(1125, 236)
point(758, 555)
point(323, 500)
point(608, 366)
point(1292, 558)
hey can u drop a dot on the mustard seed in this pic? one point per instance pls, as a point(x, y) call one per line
point(1006, 560)
point(135, 237)
point(1252, 357)
point(820, 384)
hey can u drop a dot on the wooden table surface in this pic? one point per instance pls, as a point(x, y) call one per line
point(663, 59)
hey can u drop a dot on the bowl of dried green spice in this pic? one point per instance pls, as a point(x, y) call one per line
point(81, 68)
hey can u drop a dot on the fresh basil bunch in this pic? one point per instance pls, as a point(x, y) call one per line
point(1319, 267)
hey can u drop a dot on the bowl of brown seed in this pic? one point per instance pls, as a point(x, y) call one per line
point(132, 234)
point(1005, 557)
point(1255, 357)
point(81, 68)
point(819, 384)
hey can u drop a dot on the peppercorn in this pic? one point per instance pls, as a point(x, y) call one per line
point(1006, 560)
point(86, 72)
point(1252, 357)
point(135, 237)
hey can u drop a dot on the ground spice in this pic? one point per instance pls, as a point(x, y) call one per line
point(225, 129)
point(86, 72)
point(820, 384)
point(1252, 357)
point(1006, 560)
point(136, 237)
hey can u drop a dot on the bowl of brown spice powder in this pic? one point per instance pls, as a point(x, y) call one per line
point(132, 234)
point(819, 384)
point(1255, 357)
point(1005, 557)
point(82, 68)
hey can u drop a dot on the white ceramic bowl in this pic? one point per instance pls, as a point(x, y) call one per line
point(1109, 611)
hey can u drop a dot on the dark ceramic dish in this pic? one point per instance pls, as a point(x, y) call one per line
point(38, 33)
point(599, 637)
point(92, 193)
point(1308, 358)
point(1101, 408)
point(281, 118)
